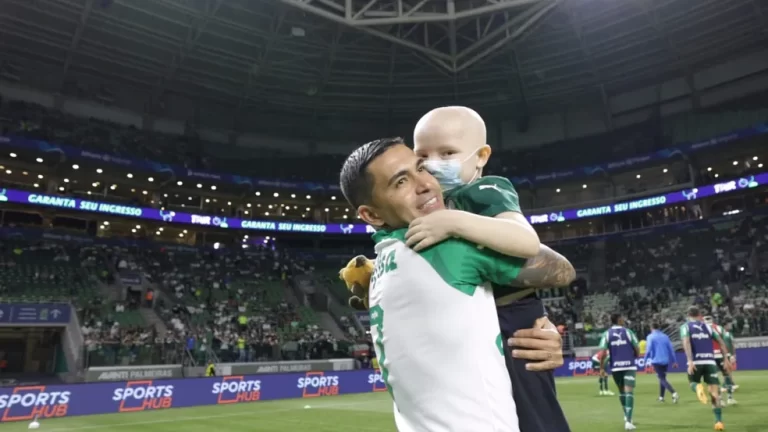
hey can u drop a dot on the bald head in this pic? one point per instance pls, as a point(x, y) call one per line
point(453, 132)
point(451, 123)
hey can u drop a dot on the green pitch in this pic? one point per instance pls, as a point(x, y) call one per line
point(586, 411)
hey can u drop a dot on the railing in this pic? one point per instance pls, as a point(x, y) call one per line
point(118, 354)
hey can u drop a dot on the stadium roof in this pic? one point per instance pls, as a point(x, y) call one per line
point(373, 57)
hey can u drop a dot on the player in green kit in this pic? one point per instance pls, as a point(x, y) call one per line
point(727, 340)
point(486, 211)
point(621, 344)
point(598, 361)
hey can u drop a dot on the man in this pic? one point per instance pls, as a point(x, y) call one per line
point(697, 337)
point(433, 319)
point(598, 364)
point(660, 354)
point(620, 343)
point(727, 339)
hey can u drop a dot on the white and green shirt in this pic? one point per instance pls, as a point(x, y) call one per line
point(437, 337)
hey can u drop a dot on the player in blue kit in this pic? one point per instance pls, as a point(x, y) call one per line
point(697, 337)
point(621, 344)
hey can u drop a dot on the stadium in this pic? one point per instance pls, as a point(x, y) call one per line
point(172, 225)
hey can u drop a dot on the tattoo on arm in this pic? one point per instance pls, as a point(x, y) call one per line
point(547, 269)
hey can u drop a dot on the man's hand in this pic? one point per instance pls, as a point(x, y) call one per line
point(691, 368)
point(674, 365)
point(431, 229)
point(541, 344)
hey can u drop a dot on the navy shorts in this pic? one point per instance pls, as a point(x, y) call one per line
point(661, 370)
point(535, 395)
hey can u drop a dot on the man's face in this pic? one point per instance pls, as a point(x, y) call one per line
point(402, 190)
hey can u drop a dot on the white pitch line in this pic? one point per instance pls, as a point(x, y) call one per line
point(182, 419)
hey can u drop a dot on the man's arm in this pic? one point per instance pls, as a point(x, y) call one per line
point(547, 269)
point(670, 350)
point(650, 342)
point(686, 338)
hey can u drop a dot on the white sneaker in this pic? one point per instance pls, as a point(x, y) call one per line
point(602, 393)
point(735, 387)
point(675, 397)
point(609, 393)
point(731, 401)
point(629, 426)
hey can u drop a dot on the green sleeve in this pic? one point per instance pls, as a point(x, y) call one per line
point(490, 196)
point(684, 331)
point(728, 338)
point(604, 340)
point(465, 266)
point(633, 338)
point(715, 335)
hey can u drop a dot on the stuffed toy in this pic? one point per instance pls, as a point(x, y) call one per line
point(357, 276)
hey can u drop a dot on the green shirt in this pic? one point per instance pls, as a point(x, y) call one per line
point(487, 196)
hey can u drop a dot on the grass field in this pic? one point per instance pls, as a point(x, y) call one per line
point(586, 411)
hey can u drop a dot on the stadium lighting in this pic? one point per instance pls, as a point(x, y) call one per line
point(75, 166)
point(24, 173)
point(258, 193)
point(8, 171)
point(143, 192)
point(99, 170)
point(113, 187)
point(309, 197)
point(333, 197)
point(190, 199)
point(307, 209)
point(179, 183)
point(133, 230)
point(106, 222)
point(95, 184)
point(161, 229)
point(266, 213)
point(759, 165)
point(717, 175)
point(151, 179)
point(138, 226)
point(270, 206)
point(40, 176)
point(275, 194)
point(66, 180)
point(293, 195)
point(199, 186)
point(249, 205)
point(229, 203)
point(326, 210)
point(61, 189)
point(638, 176)
point(754, 158)
point(13, 155)
point(346, 210)
point(36, 185)
point(246, 212)
point(181, 235)
point(213, 187)
point(735, 163)
point(39, 160)
point(345, 216)
point(207, 200)
point(157, 233)
point(185, 231)
point(129, 175)
point(558, 190)
point(584, 186)
point(665, 170)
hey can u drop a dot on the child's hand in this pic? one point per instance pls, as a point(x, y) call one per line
point(430, 229)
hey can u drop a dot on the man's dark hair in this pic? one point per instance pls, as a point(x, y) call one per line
point(694, 312)
point(354, 179)
point(655, 325)
point(615, 318)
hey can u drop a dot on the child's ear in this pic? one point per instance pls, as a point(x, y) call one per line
point(483, 154)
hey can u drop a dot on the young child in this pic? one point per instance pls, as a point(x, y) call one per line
point(486, 211)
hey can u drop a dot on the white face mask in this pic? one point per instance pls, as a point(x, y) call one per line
point(448, 172)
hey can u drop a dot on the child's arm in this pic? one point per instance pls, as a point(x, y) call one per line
point(504, 233)
point(492, 219)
